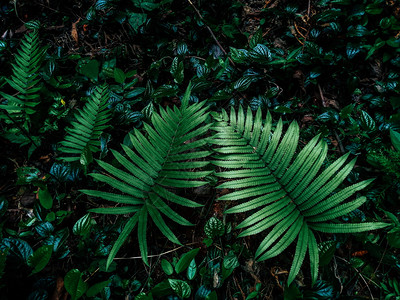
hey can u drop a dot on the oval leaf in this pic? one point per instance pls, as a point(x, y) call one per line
point(167, 267)
point(180, 287)
point(39, 259)
point(395, 137)
point(119, 75)
point(83, 225)
point(214, 227)
point(192, 269)
point(45, 198)
point(97, 288)
point(185, 260)
point(74, 284)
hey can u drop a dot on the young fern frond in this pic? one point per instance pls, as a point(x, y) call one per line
point(25, 80)
point(288, 194)
point(83, 138)
point(166, 158)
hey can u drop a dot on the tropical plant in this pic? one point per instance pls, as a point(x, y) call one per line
point(165, 159)
point(288, 192)
point(25, 80)
point(83, 138)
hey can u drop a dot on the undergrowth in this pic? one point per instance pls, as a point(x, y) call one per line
point(204, 150)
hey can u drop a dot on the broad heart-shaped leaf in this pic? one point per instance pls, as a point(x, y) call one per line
point(214, 227)
point(150, 173)
point(180, 287)
point(74, 284)
point(83, 225)
point(289, 194)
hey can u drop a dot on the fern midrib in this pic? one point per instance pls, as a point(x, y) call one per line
point(29, 64)
point(277, 179)
point(93, 123)
point(181, 117)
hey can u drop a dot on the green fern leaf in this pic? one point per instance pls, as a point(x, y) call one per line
point(167, 157)
point(25, 80)
point(83, 138)
point(288, 193)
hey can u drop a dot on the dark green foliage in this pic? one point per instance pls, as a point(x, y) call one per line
point(25, 80)
point(165, 159)
point(20, 107)
point(389, 161)
point(83, 138)
point(288, 193)
point(114, 73)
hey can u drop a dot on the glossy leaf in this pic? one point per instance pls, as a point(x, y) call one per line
point(367, 121)
point(91, 69)
point(136, 20)
point(97, 288)
point(185, 260)
point(45, 198)
point(119, 75)
point(180, 288)
point(192, 270)
point(214, 227)
point(395, 137)
point(167, 267)
point(83, 225)
point(40, 258)
point(74, 284)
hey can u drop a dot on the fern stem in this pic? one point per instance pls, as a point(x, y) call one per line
point(23, 130)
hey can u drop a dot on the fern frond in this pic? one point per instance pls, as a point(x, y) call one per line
point(289, 194)
point(83, 138)
point(167, 157)
point(25, 80)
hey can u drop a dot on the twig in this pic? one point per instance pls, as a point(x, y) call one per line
point(198, 57)
point(341, 148)
point(361, 275)
point(210, 30)
point(50, 8)
point(380, 261)
point(298, 31)
point(24, 132)
point(337, 275)
point(309, 8)
point(322, 96)
point(155, 255)
point(324, 104)
point(241, 291)
point(92, 274)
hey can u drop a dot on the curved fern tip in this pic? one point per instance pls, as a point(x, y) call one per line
point(186, 96)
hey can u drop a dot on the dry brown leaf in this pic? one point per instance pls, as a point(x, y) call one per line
point(58, 291)
point(74, 32)
point(307, 118)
